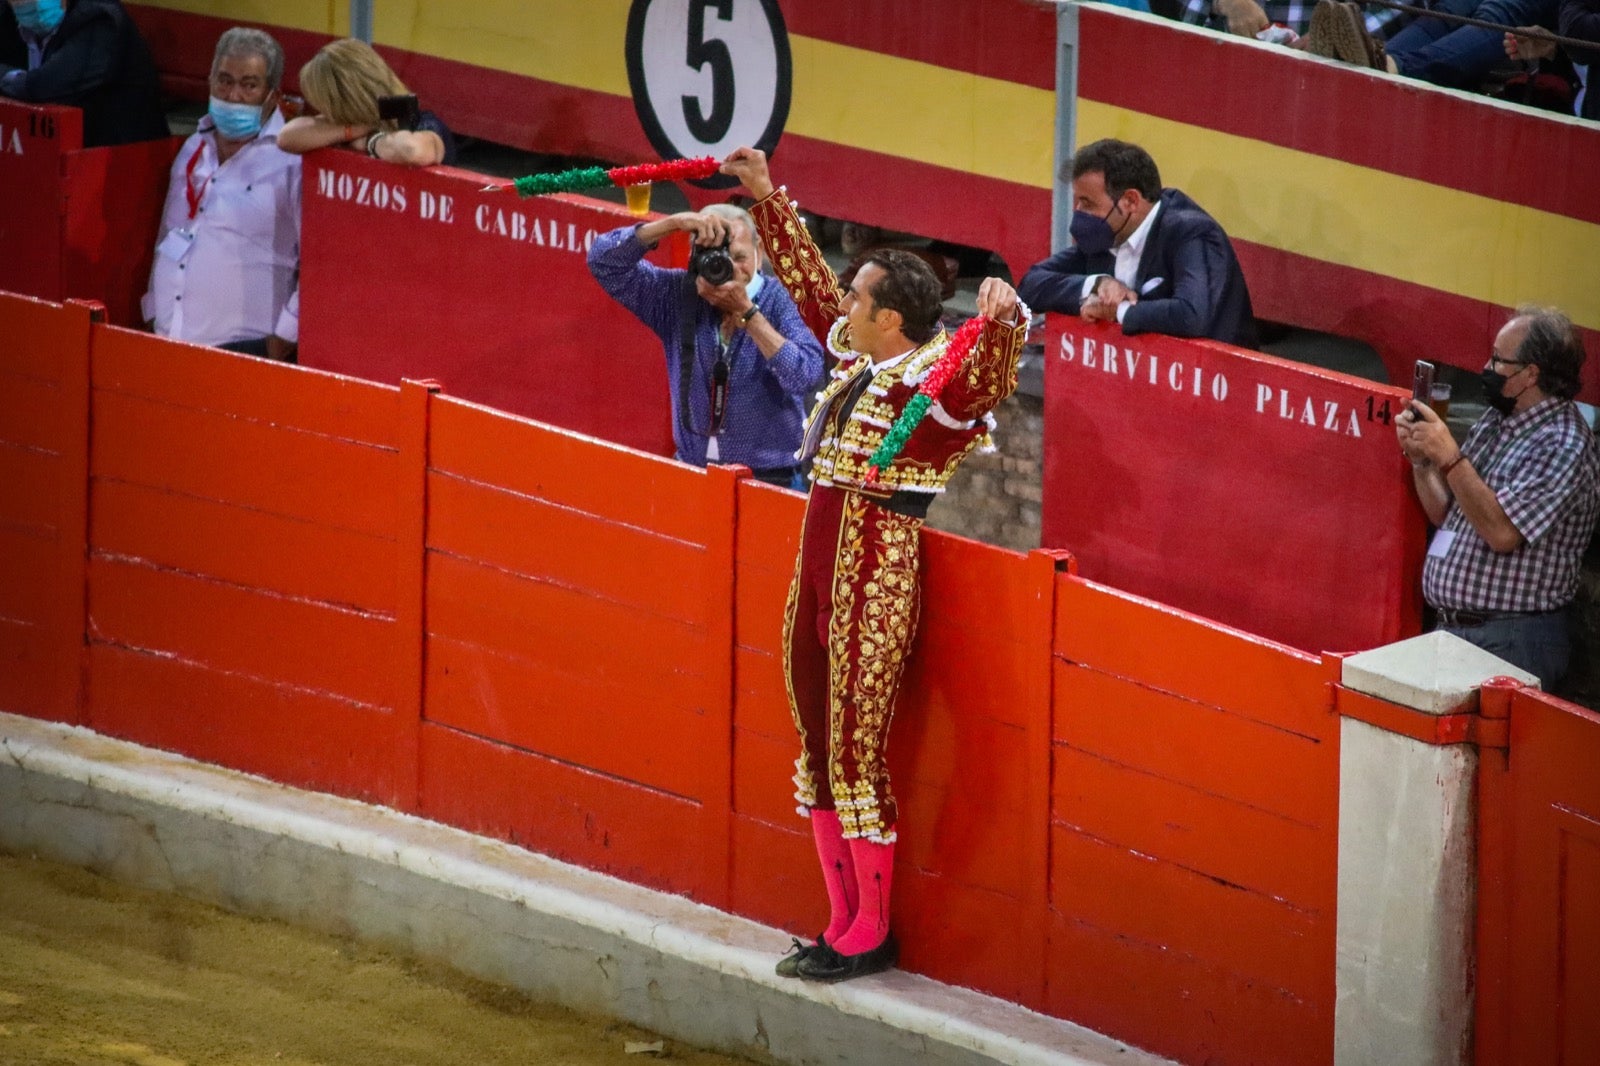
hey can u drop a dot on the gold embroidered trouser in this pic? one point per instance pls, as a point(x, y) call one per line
point(851, 617)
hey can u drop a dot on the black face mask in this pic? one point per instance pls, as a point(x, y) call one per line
point(1494, 384)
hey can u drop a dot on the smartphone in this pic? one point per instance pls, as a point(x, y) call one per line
point(1422, 383)
point(402, 110)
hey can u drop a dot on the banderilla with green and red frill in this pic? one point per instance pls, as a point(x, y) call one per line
point(916, 409)
point(616, 177)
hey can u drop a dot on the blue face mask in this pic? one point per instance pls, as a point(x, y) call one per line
point(1092, 233)
point(39, 17)
point(236, 122)
point(753, 287)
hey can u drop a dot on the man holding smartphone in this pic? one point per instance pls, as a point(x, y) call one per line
point(1515, 504)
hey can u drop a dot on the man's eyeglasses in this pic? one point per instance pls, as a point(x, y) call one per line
point(1496, 361)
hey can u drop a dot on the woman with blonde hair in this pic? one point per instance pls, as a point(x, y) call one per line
point(343, 83)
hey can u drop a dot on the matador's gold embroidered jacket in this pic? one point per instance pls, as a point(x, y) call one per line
point(958, 421)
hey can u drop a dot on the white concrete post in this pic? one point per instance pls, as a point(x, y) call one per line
point(1407, 860)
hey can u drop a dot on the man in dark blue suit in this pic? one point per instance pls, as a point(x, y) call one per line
point(1148, 258)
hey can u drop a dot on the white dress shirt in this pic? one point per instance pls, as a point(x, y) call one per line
point(1128, 254)
point(228, 270)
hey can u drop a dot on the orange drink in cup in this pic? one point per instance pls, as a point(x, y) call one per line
point(638, 198)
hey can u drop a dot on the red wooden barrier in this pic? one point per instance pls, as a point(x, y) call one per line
point(1539, 885)
point(523, 632)
point(1194, 834)
point(242, 558)
point(77, 222)
point(1261, 493)
point(44, 440)
point(34, 140)
point(421, 274)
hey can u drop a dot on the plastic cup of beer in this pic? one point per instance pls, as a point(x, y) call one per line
point(1439, 399)
point(638, 198)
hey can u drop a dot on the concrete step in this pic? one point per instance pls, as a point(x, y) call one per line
point(554, 931)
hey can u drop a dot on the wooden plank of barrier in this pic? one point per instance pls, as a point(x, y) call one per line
point(338, 653)
point(43, 368)
point(1324, 537)
point(257, 390)
point(1205, 888)
point(260, 725)
point(244, 546)
point(536, 461)
point(215, 455)
point(571, 813)
point(775, 877)
point(715, 725)
point(564, 714)
point(625, 564)
point(34, 140)
point(249, 451)
point(1553, 965)
point(411, 585)
point(560, 626)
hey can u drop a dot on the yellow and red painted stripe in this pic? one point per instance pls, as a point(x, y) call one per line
point(960, 143)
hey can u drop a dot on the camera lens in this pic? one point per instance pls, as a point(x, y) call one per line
point(713, 264)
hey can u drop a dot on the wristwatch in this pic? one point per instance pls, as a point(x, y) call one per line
point(744, 319)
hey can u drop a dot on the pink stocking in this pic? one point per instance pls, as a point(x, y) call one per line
point(874, 864)
point(838, 872)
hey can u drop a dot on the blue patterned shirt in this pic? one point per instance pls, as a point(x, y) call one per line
point(1544, 470)
point(767, 398)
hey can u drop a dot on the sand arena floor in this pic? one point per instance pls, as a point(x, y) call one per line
point(93, 972)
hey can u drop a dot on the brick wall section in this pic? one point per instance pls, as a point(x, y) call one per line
point(996, 498)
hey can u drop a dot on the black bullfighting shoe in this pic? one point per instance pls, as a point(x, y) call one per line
point(789, 965)
point(827, 965)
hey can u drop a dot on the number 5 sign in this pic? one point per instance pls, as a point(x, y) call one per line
point(709, 75)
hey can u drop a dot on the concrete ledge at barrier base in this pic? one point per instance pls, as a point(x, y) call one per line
point(1408, 860)
point(556, 932)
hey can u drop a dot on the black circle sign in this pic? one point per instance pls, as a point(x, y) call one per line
point(708, 76)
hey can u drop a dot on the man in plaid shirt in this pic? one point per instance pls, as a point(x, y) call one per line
point(1515, 503)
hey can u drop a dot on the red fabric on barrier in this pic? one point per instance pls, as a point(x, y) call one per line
point(421, 274)
point(33, 140)
point(1260, 493)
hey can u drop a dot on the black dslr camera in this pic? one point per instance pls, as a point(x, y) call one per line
point(712, 263)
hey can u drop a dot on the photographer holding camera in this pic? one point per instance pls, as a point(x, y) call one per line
point(741, 361)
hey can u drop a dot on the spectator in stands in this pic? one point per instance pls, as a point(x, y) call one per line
point(344, 82)
point(228, 253)
point(741, 362)
point(1432, 49)
point(1149, 258)
point(1248, 18)
point(1579, 20)
point(1516, 502)
point(1461, 57)
point(88, 54)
